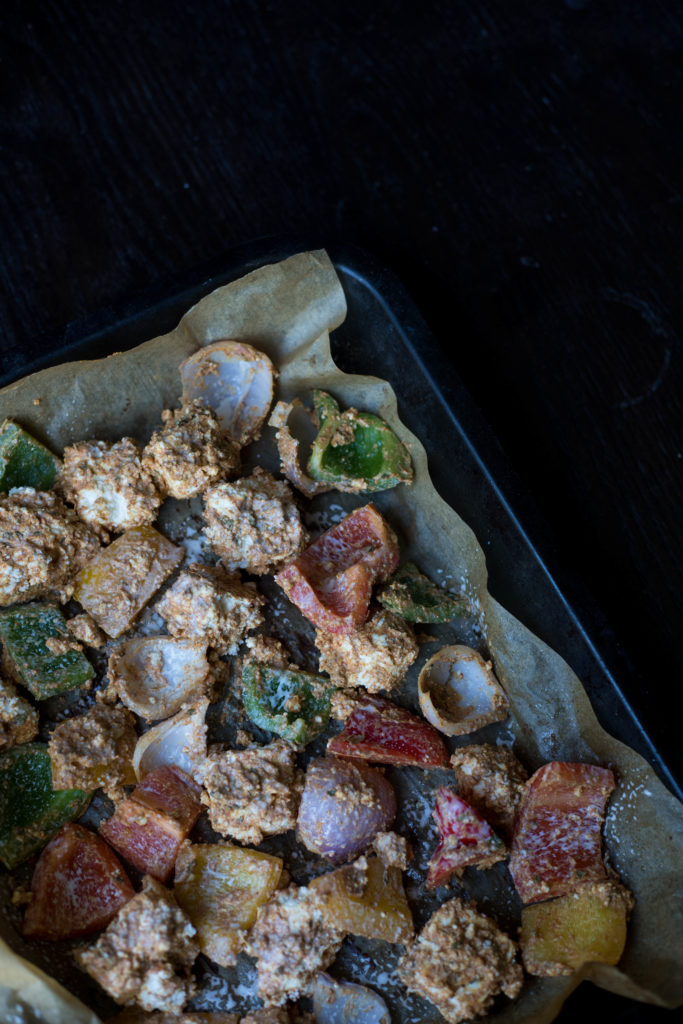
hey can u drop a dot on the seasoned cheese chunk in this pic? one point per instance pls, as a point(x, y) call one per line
point(146, 954)
point(109, 485)
point(253, 523)
point(491, 780)
point(95, 749)
point(253, 793)
point(18, 718)
point(206, 602)
point(292, 940)
point(460, 962)
point(190, 452)
point(376, 656)
point(42, 545)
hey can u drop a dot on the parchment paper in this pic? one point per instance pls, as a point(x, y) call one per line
point(287, 309)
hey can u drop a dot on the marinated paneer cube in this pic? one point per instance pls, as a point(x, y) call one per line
point(207, 602)
point(220, 887)
point(119, 582)
point(109, 486)
point(24, 461)
point(491, 780)
point(190, 452)
point(376, 656)
point(254, 523)
point(31, 811)
point(43, 544)
point(95, 750)
point(587, 926)
point(18, 719)
point(145, 956)
point(40, 653)
point(366, 898)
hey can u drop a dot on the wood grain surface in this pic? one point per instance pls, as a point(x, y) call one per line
point(517, 165)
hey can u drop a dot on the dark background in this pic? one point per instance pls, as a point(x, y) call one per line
point(518, 167)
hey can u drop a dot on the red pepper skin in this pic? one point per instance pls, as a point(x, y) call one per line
point(466, 840)
point(557, 841)
point(78, 886)
point(331, 581)
point(380, 731)
point(148, 827)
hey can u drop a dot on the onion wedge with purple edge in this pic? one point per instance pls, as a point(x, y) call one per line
point(236, 381)
point(155, 675)
point(288, 449)
point(459, 693)
point(340, 1002)
point(179, 741)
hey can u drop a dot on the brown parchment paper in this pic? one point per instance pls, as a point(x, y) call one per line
point(287, 309)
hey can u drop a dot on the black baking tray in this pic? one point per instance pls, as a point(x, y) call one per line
point(385, 335)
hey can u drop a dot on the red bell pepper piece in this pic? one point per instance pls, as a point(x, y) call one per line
point(331, 581)
point(557, 841)
point(380, 731)
point(466, 839)
point(78, 886)
point(148, 827)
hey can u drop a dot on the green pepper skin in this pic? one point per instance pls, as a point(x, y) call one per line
point(24, 461)
point(30, 810)
point(23, 631)
point(266, 691)
point(372, 459)
point(416, 599)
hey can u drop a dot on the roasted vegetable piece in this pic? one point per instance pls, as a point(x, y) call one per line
point(459, 692)
point(28, 632)
point(148, 827)
point(380, 731)
point(119, 582)
point(220, 887)
point(24, 461)
point(557, 842)
point(415, 598)
point(356, 451)
point(18, 718)
point(586, 926)
point(465, 839)
point(295, 705)
point(78, 886)
point(30, 810)
point(331, 581)
point(366, 898)
point(340, 1002)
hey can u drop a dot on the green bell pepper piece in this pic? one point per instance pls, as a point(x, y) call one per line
point(356, 451)
point(415, 598)
point(23, 631)
point(294, 705)
point(30, 810)
point(24, 461)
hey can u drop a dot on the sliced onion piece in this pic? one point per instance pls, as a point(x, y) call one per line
point(236, 381)
point(154, 676)
point(288, 449)
point(179, 741)
point(342, 1002)
point(459, 693)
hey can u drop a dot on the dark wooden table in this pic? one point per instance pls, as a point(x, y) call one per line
point(518, 166)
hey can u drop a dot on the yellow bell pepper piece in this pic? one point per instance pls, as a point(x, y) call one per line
point(122, 578)
point(366, 898)
point(586, 926)
point(220, 887)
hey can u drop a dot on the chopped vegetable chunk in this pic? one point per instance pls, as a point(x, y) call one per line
point(40, 651)
point(331, 581)
point(586, 926)
point(30, 810)
point(557, 842)
point(356, 451)
point(380, 731)
point(78, 886)
point(119, 582)
point(366, 898)
point(220, 887)
point(465, 839)
point(414, 597)
point(148, 827)
point(295, 705)
point(24, 461)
